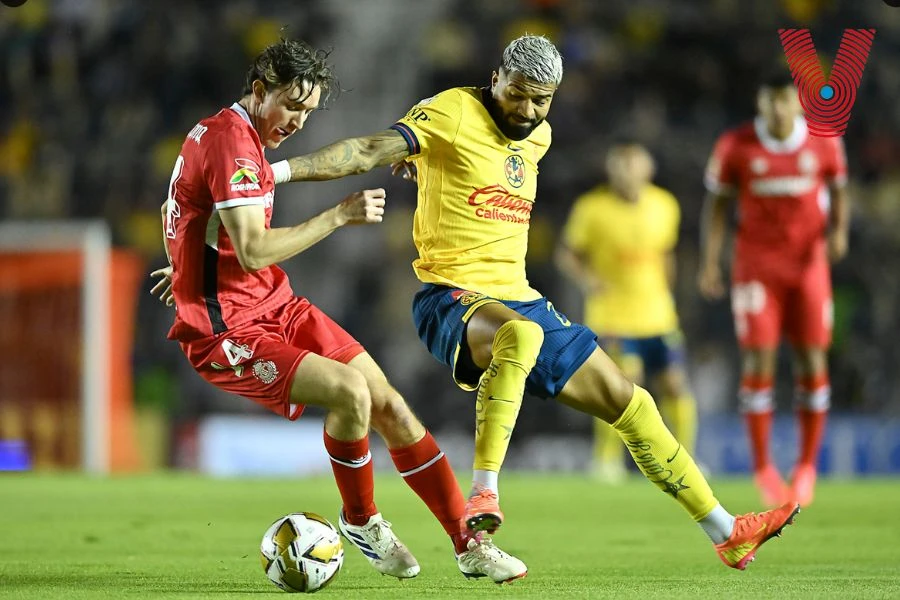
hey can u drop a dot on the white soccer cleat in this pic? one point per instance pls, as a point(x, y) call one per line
point(378, 543)
point(484, 559)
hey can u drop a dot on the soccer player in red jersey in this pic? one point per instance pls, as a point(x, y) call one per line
point(243, 330)
point(793, 216)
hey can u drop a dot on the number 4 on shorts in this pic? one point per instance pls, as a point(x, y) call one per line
point(235, 353)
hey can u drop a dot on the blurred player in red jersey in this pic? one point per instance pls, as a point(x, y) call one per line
point(243, 330)
point(793, 216)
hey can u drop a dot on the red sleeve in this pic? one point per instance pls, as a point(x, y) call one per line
point(835, 161)
point(721, 170)
point(233, 169)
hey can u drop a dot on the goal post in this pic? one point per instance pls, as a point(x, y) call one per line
point(51, 274)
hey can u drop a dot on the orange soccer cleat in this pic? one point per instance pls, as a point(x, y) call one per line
point(752, 531)
point(483, 512)
point(771, 486)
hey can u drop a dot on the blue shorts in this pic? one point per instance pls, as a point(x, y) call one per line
point(441, 314)
point(657, 353)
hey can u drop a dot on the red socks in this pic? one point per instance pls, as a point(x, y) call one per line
point(427, 471)
point(814, 399)
point(756, 403)
point(353, 473)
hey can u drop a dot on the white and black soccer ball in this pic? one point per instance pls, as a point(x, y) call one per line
point(302, 552)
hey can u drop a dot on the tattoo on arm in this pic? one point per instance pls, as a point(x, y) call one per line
point(350, 157)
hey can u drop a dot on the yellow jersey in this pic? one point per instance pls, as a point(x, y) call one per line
point(476, 192)
point(626, 245)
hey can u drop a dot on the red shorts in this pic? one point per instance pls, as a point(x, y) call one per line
point(258, 359)
point(767, 303)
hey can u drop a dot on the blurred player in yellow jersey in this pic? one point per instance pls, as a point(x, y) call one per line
point(475, 154)
point(618, 248)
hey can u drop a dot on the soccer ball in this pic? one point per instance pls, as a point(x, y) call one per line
point(302, 552)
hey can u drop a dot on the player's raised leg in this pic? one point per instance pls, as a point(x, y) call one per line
point(600, 389)
point(344, 392)
point(506, 346)
point(427, 471)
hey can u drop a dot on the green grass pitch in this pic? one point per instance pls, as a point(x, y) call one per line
point(183, 536)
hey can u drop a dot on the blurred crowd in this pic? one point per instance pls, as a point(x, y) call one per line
point(96, 97)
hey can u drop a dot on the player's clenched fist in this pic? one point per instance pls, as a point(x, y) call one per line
point(366, 206)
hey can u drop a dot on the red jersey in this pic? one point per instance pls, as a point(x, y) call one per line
point(221, 166)
point(782, 191)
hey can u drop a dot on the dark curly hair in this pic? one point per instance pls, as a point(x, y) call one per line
point(293, 62)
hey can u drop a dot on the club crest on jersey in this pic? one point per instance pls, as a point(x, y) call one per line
point(759, 165)
point(514, 168)
point(246, 177)
point(265, 371)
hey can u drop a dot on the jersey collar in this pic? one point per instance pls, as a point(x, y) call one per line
point(243, 113)
point(791, 144)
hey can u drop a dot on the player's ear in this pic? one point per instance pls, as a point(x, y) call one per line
point(495, 77)
point(259, 90)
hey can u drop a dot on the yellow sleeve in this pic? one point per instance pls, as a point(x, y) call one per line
point(431, 123)
point(577, 232)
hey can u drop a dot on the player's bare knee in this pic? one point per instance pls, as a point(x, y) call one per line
point(352, 397)
point(758, 362)
point(390, 413)
point(620, 391)
point(810, 361)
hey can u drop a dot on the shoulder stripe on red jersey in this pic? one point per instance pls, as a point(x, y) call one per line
point(232, 202)
point(412, 142)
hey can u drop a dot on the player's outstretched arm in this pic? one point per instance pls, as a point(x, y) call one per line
point(257, 247)
point(712, 232)
point(349, 157)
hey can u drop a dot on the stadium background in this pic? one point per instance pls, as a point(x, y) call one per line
point(96, 97)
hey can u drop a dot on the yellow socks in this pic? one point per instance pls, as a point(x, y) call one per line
point(515, 350)
point(680, 412)
point(661, 458)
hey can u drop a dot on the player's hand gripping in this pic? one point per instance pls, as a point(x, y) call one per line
point(163, 287)
point(362, 207)
point(404, 169)
point(710, 282)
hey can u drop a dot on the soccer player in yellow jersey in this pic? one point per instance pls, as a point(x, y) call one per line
point(617, 247)
point(476, 154)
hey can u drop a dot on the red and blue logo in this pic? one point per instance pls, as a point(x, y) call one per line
point(514, 168)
